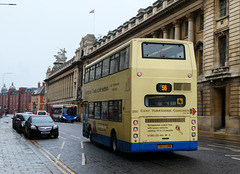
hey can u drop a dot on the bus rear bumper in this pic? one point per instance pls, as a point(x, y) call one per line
point(161, 147)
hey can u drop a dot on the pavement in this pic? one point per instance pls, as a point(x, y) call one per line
point(17, 155)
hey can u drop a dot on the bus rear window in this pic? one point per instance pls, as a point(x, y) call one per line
point(165, 100)
point(163, 51)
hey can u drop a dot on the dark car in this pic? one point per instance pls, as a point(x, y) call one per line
point(16, 120)
point(40, 126)
point(20, 125)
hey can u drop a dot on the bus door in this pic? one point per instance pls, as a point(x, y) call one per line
point(85, 120)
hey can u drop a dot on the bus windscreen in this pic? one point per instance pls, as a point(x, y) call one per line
point(163, 51)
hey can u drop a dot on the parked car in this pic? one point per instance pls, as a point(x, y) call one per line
point(40, 126)
point(20, 125)
point(28, 113)
point(16, 120)
point(42, 113)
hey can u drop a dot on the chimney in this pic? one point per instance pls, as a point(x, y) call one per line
point(43, 84)
point(39, 84)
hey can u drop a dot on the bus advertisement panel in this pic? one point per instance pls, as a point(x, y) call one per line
point(63, 112)
point(142, 97)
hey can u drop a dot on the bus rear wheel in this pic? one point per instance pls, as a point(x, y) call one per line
point(113, 144)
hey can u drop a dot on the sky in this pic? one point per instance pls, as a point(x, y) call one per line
point(33, 31)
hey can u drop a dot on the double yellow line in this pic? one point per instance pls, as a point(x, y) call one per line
point(59, 164)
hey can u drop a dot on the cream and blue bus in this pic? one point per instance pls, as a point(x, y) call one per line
point(142, 97)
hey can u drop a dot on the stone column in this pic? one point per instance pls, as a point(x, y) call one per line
point(165, 33)
point(177, 30)
point(190, 27)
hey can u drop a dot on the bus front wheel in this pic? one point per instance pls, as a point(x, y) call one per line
point(113, 142)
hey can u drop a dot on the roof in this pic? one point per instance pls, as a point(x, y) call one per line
point(39, 91)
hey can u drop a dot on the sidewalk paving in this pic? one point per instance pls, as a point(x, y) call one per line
point(17, 156)
point(219, 136)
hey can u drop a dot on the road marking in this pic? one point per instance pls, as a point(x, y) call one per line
point(63, 144)
point(83, 159)
point(76, 137)
point(62, 132)
point(82, 145)
point(236, 158)
point(232, 148)
point(203, 148)
point(62, 137)
point(232, 155)
point(58, 157)
point(59, 164)
point(42, 151)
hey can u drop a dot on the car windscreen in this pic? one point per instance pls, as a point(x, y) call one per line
point(42, 120)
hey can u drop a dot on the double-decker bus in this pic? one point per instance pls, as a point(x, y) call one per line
point(63, 112)
point(142, 97)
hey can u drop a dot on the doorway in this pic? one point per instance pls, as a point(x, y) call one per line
point(219, 107)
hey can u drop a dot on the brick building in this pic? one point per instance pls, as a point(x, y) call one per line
point(38, 98)
point(12, 100)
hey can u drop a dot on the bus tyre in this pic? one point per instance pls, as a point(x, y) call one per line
point(113, 142)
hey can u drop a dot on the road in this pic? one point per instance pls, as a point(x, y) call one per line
point(72, 153)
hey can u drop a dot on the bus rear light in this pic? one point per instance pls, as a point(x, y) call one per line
point(135, 129)
point(193, 128)
point(193, 134)
point(135, 122)
point(139, 74)
point(135, 135)
point(193, 121)
point(189, 75)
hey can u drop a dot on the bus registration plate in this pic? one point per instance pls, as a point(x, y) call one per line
point(163, 146)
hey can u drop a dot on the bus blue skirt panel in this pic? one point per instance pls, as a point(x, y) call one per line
point(147, 147)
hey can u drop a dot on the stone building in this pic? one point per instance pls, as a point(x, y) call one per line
point(214, 28)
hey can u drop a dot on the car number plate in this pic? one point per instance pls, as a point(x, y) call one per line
point(163, 146)
point(45, 132)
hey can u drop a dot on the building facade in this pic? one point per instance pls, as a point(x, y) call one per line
point(12, 100)
point(214, 28)
point(38, 99)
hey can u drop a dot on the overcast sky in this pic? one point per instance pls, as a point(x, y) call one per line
point(33, 31)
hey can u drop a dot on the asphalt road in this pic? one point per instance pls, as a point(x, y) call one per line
point(72, 153)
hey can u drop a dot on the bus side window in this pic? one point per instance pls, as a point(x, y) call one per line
point(97, 110)
point(114, 63)
point(124, 59)
point(92, 73)
point(105, 68)
point(87, 75)
point(98, 70)
point(90, 110)
point(115, 111)
point(104, 109)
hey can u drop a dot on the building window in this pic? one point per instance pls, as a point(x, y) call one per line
point(186, 28)
point(223, 50)
point(201, 22)
point(223, 8)
point(200, 62)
